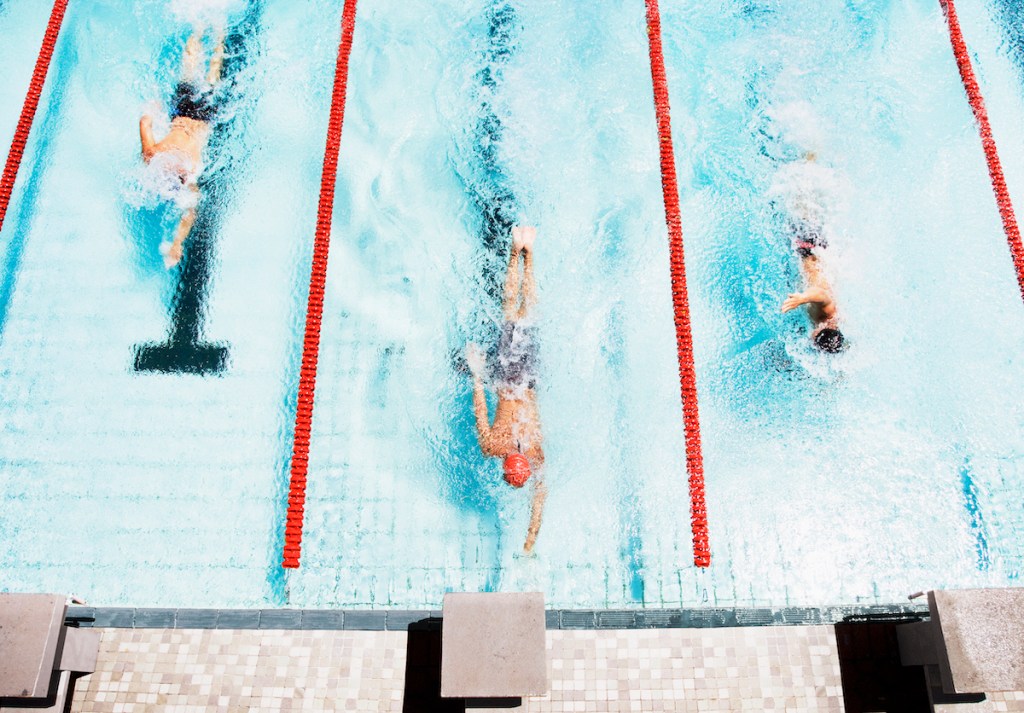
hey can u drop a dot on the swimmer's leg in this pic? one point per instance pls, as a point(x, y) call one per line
point(529, 285)
point(217, 60)
point(192, 60)
point(510, 301)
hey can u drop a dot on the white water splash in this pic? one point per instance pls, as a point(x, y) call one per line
point(797, 124)
point(205, 12)
point(158, 182)
point(811, 193)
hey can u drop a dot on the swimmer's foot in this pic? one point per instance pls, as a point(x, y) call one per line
point(523, 237)
point(217, 59)
point(219, 33)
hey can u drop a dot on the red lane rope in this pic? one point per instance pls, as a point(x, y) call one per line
point(680, 302)
point(995, 169)
point(28, 110)
point(315, 305)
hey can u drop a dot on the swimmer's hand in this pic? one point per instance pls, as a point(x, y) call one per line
point(172, 253)
point(815, 295)
point(475, 360)
point(793, 301)
point(523, 237)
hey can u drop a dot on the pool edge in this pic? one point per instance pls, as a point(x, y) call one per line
point(400, 619)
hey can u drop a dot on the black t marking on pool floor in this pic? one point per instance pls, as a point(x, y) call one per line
point(185, 351)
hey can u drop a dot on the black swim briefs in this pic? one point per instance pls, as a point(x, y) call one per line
point(806, 238)
point(193, 102)
point(516, 365)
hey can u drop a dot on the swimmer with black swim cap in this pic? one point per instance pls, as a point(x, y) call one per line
point(180, 153)
point(515, 435)
point(807, 230)
point(821, 307)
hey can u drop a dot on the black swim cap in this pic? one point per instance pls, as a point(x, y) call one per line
point(830, 340)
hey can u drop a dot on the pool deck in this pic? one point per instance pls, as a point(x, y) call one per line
point(712, 668)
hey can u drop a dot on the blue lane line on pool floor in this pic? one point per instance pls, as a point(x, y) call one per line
point(978, 528)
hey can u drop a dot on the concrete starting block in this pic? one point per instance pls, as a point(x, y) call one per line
point(31, 634)
point(975, 638)
point(493, 646)
point(38, 653)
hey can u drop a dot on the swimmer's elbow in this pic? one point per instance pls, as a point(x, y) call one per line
point(490, 446)
point(818, 296)
point(146, 138)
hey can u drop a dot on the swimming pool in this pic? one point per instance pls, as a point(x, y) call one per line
point(894, 467)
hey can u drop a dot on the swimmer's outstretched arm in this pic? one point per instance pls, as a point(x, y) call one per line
point(540, 494)
point(814, 295)
point(146, 137)
point(483, 420)
point(176, 251)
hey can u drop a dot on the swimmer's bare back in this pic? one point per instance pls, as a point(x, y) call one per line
point(516, 427)
point(187, 136)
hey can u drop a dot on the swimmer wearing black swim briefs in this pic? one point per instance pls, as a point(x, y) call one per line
point(180, 152)
point(806, 239)
point(516, 367)
point(818, 296)
point(193, 102)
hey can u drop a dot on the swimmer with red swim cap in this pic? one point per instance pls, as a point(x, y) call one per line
point(515, 434)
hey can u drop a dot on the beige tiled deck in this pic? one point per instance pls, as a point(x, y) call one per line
point(187, 671)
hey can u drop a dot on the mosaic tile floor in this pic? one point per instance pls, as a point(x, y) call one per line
point(728, 669)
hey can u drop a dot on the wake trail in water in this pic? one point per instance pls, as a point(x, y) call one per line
point(205, 12)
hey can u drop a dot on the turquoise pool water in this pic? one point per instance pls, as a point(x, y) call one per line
point(894, 467)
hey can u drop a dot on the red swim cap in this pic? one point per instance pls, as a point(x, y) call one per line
point(517, 470)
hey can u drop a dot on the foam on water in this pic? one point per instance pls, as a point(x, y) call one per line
point(810, 193)
point(796, 124)
point(205, 12)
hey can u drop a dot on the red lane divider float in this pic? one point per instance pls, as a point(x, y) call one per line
point(680, 303)
point(995, 168)
point(28, 110)
point(315, 305)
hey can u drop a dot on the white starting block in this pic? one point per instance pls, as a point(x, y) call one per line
point(493, 646)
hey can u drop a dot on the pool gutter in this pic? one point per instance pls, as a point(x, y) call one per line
point(400, 619)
